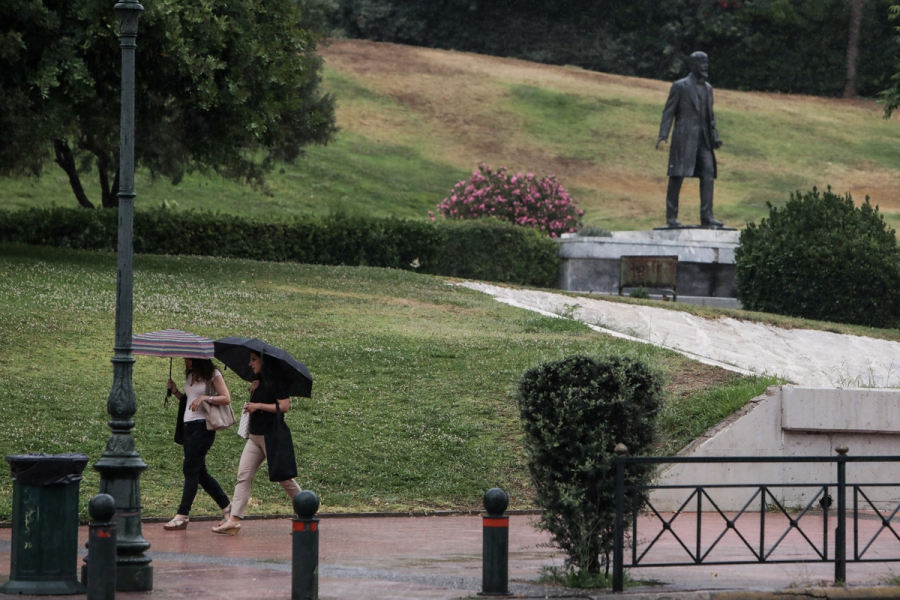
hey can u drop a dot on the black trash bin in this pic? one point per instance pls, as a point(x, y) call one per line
point(45, 524)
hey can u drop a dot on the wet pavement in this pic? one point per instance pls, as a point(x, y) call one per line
point(439, 557)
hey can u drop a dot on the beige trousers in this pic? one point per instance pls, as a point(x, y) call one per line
point(251, 460)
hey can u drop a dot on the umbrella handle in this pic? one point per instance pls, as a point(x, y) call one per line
point(168, 391)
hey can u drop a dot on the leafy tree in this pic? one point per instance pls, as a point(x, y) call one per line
point(574, 412)
point(821, 257)
point(803, 46)
point(797, 46)
point(230, 87)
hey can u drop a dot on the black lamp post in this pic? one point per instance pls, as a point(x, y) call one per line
point(121, 466)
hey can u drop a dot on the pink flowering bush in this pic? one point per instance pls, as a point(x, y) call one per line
point(524, 200)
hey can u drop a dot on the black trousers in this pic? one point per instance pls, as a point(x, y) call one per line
point(197, 442)
point(705, 170)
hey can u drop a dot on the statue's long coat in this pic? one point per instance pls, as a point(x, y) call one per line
point(683, 106)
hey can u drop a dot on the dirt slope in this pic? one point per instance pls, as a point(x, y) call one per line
point(597, 132)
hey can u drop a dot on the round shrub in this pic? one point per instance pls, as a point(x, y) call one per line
point(821, 257)
point(574, 413)
point(539, 203)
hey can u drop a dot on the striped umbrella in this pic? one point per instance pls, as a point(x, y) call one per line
point(171, 343)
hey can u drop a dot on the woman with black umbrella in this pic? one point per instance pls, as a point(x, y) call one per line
point(268, 397)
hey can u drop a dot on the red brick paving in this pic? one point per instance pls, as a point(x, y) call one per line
point(415, 557)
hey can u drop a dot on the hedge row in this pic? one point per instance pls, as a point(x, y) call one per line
point(480, 249)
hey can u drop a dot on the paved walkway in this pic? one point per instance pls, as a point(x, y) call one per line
point(802, 356)
point(429, 558)
point(436, 558)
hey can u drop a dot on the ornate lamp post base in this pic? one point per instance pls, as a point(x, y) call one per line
point(120, 478)
point(120, 470)
point(133, 578)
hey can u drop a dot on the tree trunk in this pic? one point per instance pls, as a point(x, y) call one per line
point(66, 160)
point(106, 164)
point(110, 192)
point(856, 10)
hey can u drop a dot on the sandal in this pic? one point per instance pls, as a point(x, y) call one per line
point(229, 527)
point(226, 514)
point(176, 524)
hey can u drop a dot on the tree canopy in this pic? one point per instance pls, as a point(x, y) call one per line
point(231, 87)
point(793, 46)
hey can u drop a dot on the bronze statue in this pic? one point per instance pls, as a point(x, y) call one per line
point(694, 140)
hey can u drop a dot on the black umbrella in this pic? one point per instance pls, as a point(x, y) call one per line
point(234, 352)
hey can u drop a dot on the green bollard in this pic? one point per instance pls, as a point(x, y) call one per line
point(495, 553)
point(101, 559)
point(305, 558)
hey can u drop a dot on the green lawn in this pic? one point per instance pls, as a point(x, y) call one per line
point(351, 175)
point(412, 404)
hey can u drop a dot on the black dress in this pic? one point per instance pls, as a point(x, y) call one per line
point(261, 422)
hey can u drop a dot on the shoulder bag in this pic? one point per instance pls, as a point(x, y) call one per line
point(179, 421)
point(218, 416)
point(280, 449)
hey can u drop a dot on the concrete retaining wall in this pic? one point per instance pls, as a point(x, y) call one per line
point(794, 421)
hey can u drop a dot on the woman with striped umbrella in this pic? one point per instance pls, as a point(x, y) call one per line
point(203, 385)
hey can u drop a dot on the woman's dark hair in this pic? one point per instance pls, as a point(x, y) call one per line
point(259, 356)
point(271, 370)
point(203, 368)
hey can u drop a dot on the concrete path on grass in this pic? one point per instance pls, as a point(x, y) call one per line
point(801, 356)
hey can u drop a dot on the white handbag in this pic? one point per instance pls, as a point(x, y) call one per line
point(244, 426)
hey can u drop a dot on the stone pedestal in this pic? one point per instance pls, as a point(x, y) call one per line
point(705, 261)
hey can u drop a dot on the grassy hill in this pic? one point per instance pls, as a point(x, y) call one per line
point(412, 404)
point(415, 120)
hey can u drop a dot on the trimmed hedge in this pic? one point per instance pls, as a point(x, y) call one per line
point(490, 250)
point(486, 250)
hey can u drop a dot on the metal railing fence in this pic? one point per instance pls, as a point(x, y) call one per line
point(767, 503)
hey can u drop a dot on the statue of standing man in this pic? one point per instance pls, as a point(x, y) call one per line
point(694, 140)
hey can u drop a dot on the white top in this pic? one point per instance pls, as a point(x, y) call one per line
point(195, 391)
